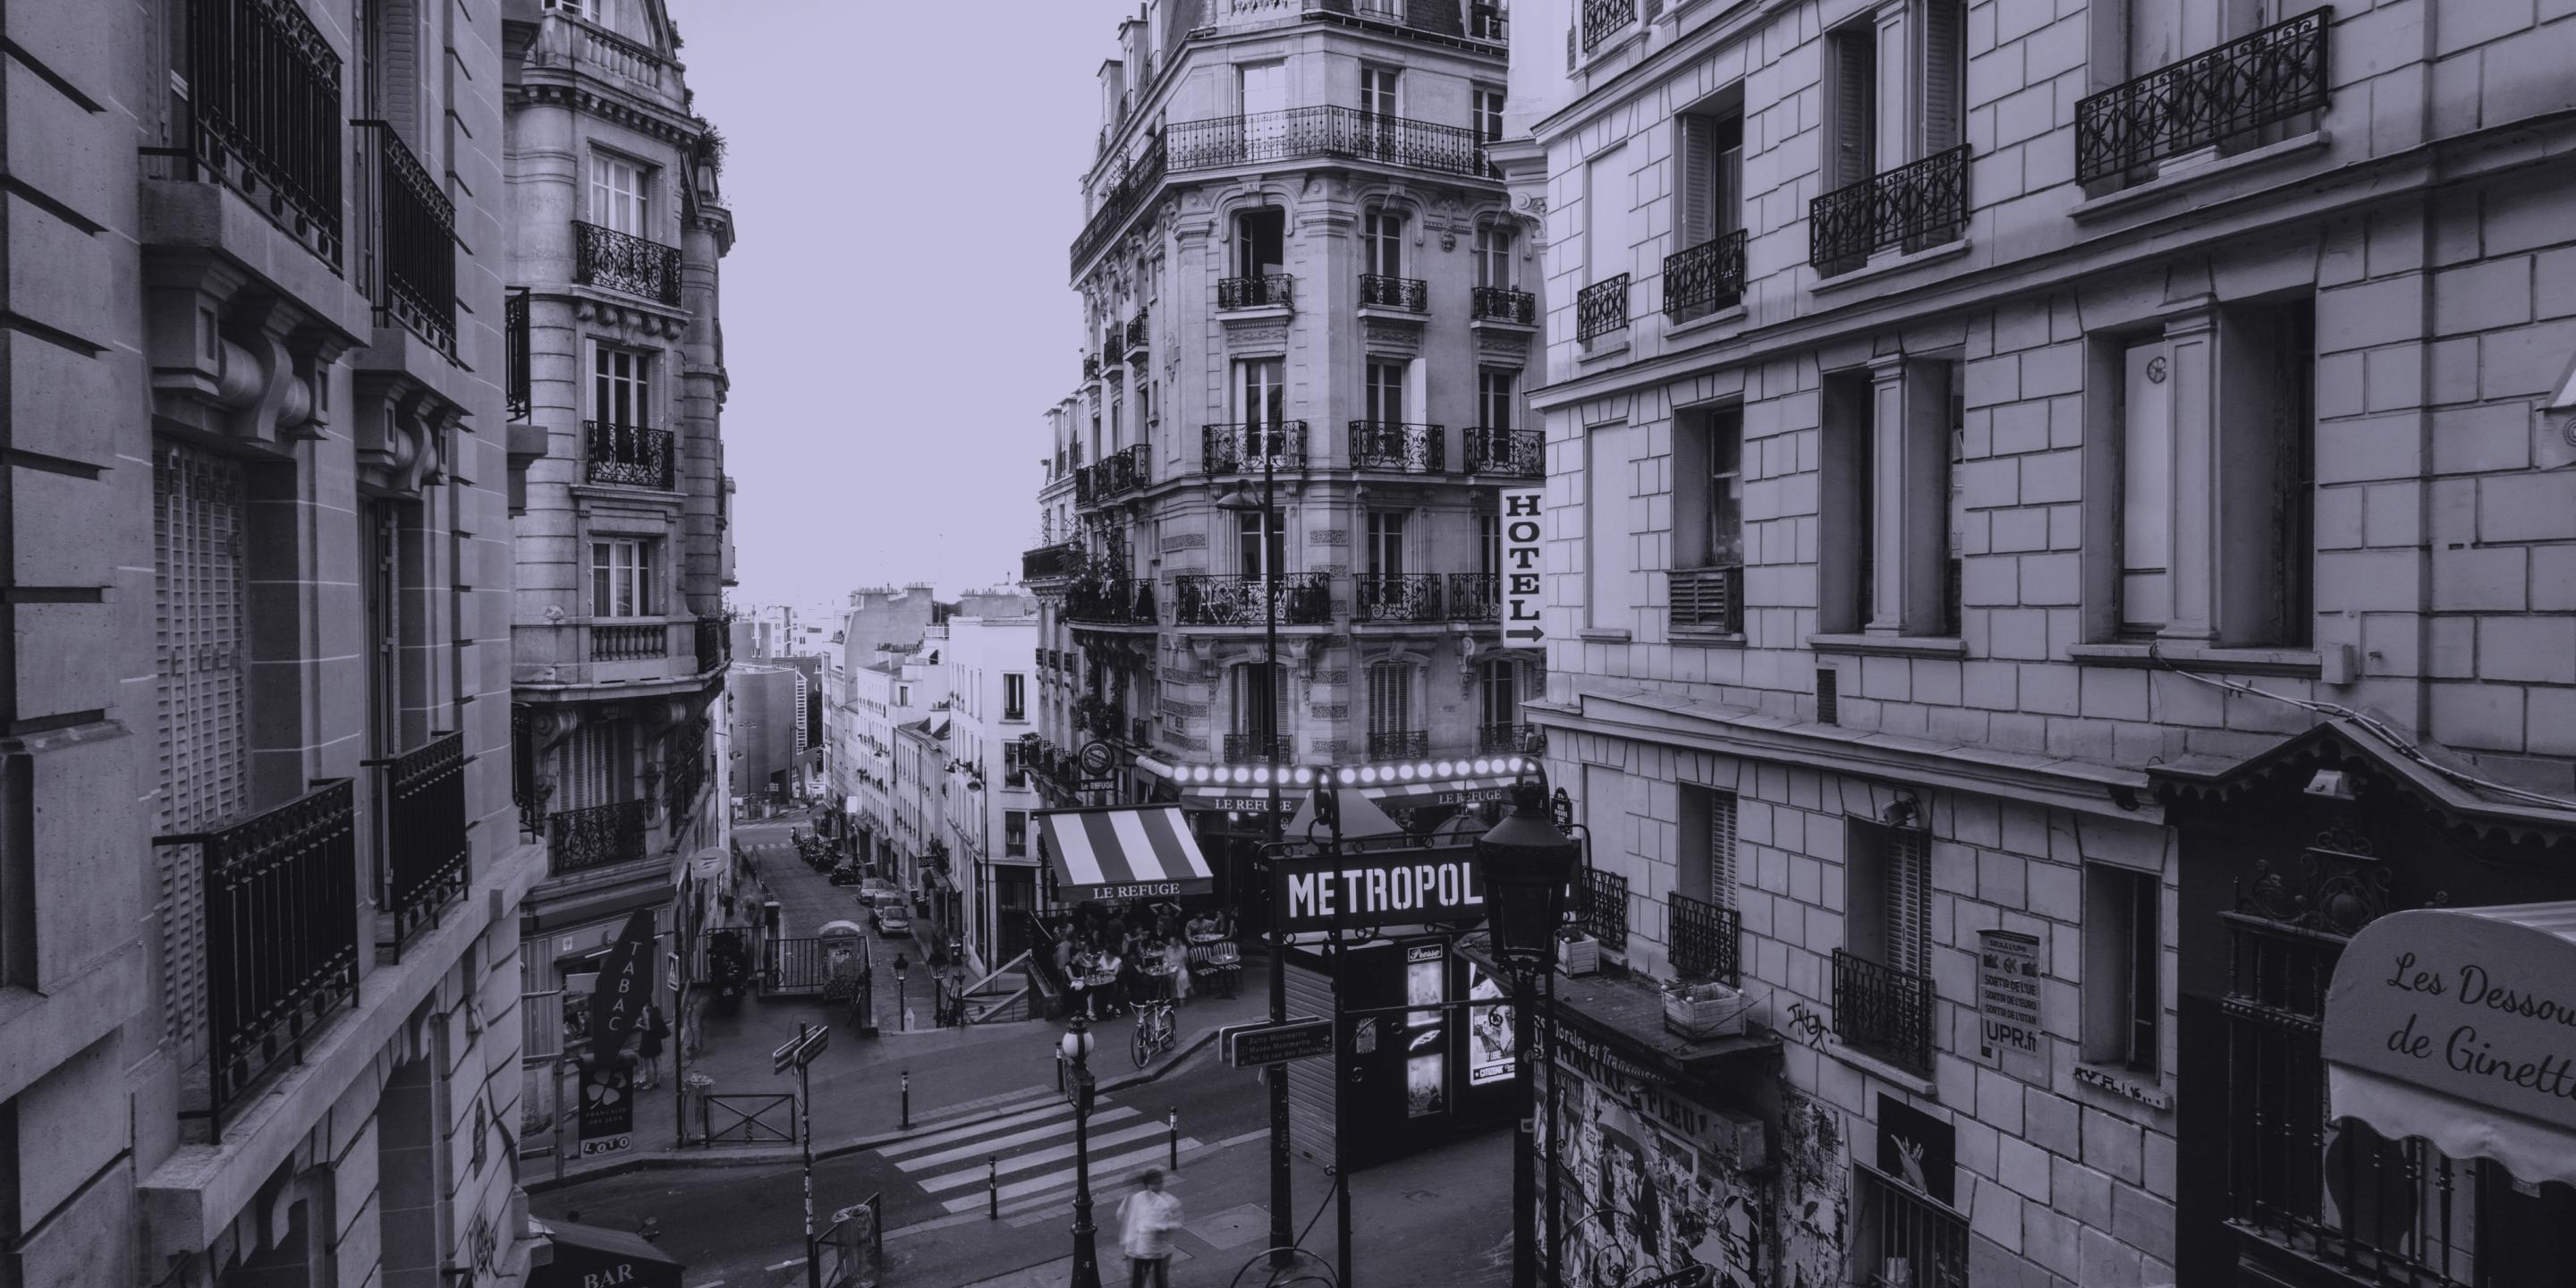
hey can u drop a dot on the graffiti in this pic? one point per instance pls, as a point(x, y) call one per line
point(1808, 1024)
point(1645, 1204)
point(1814, 1206)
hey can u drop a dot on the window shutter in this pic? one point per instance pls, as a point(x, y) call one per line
point(1698, 193)
point(1390, 698)
point(1944, 24)
point(1908, 903)
point(1721, 849)
point(203, 699)
point(1855, 92)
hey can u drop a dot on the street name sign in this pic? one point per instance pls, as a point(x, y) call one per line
point(799, 1051)
point(1387, 887)
point(1522, 553)
point(1249, 1046)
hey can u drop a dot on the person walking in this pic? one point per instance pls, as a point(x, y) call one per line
point(1146, 1219)
point(648, 1046)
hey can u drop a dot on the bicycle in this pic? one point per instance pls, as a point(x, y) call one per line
point(1156, 1030)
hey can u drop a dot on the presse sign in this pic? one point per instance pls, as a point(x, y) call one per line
point(1390, 887)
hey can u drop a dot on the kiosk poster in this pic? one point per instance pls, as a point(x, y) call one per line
point(2008, 990)
point(1425, 1073)
point(1424, 965)
point(1489, 1031)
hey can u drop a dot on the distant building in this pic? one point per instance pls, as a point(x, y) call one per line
point(993, 862)
point(768, 708)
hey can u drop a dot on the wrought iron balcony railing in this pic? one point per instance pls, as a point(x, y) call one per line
point(1708, 599)
point(1475, 597)
point(1488, 22)
point(411, 247)
point(715, 644)
point(2209, 98)
point(1512, 453)
point(1501, 304)
point(1400, 744)
point(264, 101)
point(624, 262)
point(1043, 562)
point(1114, 601)
point(1603, 19)
point(1601, 308)
point(1884, 1012)
point(1121, 472)
point(422, 796)
point(1705, 278)
point(684, 771)
point(1276, 290)
point(1305, 599)
point(1345, 133)
point(579, 840)
point(280, 930)
point(628, 641)
point(1913, 206)
point(1124, 190)
point(1410, 294)
point(1259, 749)
point(1248, 449)
point(515, 354)
point(1707, 939)
point(629, 455)
point(1090, 367)
point(1395, 597)
point(1140, 730)
point(1521, 739)
point(1601, 907)
point(1136, 337)
point(1113, 346)
point(1394, 445)
point(1083, 487)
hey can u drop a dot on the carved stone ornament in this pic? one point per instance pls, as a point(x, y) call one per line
point(1328, 536)
point(1393, 339)
point(232, 359)
point(2336, 885)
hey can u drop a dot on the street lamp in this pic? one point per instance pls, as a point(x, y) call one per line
point(1077, 1049)
point(1525, 865)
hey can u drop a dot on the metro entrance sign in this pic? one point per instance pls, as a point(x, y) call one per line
point(1387, 887)
point(1250, 1046)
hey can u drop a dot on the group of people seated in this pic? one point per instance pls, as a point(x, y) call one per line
point(1112, 962)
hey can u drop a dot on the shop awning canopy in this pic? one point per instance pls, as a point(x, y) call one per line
point(2458, 1025)
point(1130, 852)
point(577, 1256)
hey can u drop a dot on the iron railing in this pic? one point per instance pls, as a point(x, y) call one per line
point(1140, 730)
point(624, 262)
point(1488, 22)
point(1400, 744)
point(263, 93)
point(1601, 907)
point(422, 795)
point(1603, 17)
point(1395, 597)
point(1924, 203)
point(1259, 749)
point(1411, 294)
point(1601, 308)
point(1514, 453)
point(684, 771)
point(629, 455)
point(1705, 278)
point(1305, 599)
point(578, 840)
point(1090, 367)
point(2209, 98)
point(1901, 1226)
point(1276, 290)
point(1400, 446)
point(1043, 562)
point(1136, 336)
point(411, 251)
point(281, 933)
point(1521, 739)
point(628, 641)
point(1502, 304)
point(1121, 472)
point(1708, 599)
point(1883, 1011)
point(1708, 939)
point(1126, 189)
point(1112, 601)
point(1242, 449)
point(517, 337)
point(1475, 597)
point(1113, 345)
point(1345, 133)
point(715, 644)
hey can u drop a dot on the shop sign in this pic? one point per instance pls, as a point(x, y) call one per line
point(1470, 795)
point(1917, 1148)
point(607, 1108)
point(1733, 1137)
point(1252, 804)
point(1595, 1061)
point(2008, 990)
point(1522, 555)
point(617, 999)
point(2481, 1008)
point(1135, 890)
point(1354, 891)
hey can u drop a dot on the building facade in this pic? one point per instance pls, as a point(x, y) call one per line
point(616, 485)
point(259, 879)
point(2058, 518)
point(992, 665)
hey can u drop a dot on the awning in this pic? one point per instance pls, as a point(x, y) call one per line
point(1129, 852)
point(2458, 1025)
point(586, 1255)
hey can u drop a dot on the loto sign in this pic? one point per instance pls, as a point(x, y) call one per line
point(1390, 887)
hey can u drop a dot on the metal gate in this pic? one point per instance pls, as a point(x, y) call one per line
point(795, 967)
point(748, 1119)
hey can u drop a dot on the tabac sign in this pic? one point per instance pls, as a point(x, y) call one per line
point(1390, 887)
point(2475, 1005)
point(1522, 552)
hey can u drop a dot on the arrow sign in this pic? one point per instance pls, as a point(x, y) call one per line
point(799, 1051)
point(1249, 1046)
point(1523, 533)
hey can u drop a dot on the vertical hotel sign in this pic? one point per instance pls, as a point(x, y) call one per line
point(1522, 532)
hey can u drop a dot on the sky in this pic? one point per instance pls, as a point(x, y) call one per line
point(904, 177)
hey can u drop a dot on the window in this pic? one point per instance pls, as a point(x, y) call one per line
point(590, 9)
point(1254, 556)
point(618, 194)
point(1708, 520)
point(1015, 696)
point(1704, 867)
point(1261, 242)
point(1385, 552)
point(1608, 196)
point(2123, 958)
point(625, 578)
point(1498, 690)
point(1015, 832)
point(1264, 87)
point(1847, 535)
point(2146, 490)
point(1610, 592)
point(1887, 897)
point(1497, 392)
point(1487, 107)
point(1377, 92)
point(1385, 393)
point(1489, 544)
point(1495, 245)
point(1382, 242)
point(1940, 50)
point(1259, 701)
point(1851, 119)
point(620, 386)
point(1711, 196)
point(1390, 697)
point(1261, 391)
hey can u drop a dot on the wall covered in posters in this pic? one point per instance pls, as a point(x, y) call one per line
point(1645, 1195)
point(1815, 1188)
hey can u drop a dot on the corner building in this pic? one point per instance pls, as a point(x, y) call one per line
point(2059, 520)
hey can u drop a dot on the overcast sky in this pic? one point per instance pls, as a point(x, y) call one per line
point(904, 177)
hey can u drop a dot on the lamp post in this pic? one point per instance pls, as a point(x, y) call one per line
point(1086, 1258)
point(1260, 435)
point(1525, 865)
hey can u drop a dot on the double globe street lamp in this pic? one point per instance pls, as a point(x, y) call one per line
point(1077, 1050)
point(1526, 865)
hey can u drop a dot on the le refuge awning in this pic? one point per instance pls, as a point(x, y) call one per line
point(1130, 852)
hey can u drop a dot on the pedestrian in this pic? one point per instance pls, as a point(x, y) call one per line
point(648, 1046)
point(1146, 1220)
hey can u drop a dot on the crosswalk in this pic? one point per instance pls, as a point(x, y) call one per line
point(1023, 1157)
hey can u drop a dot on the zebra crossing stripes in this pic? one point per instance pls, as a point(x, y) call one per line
point(1031, 1153)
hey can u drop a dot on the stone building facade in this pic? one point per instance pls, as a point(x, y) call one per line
point(992, 706)
point(2057, 515)
point(258, 871)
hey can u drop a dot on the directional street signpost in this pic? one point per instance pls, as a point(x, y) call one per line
point(1252, 1046)
point(1523, 558)
point(797, 1053)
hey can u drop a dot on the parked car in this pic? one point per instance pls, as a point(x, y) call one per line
point(894, 921)
point(849, 873)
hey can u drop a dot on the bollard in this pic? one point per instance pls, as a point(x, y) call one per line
point(1176, 1138)
point(993, 1187)
point(907, 1100)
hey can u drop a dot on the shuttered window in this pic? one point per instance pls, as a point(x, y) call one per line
point(1942, 72)
point(1853, 108)
point(1909, 902)
point(1391, 697)
point(1712, 183)
point(202, 697)
point(1252, 683)
point(1704, 867)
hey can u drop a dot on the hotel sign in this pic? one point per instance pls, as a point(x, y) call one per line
point(1522, 555)
point(1390, 887)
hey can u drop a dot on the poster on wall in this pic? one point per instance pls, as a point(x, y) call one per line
point(2007, 991)
point(1665, 1210)
point(1425, 1075)
point(1425, 972)
point(1489, 1031)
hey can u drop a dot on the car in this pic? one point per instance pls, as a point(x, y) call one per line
point(894, 920)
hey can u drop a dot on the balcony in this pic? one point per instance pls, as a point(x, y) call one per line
point(1404, 294)
point(628, 641)
point(1140, 731)
point(1250, 449)
point(410, 270)
point(422, 796)
point(1340, 133)
point(1511, 453)
point(1399, 744)
point(1475, 597)
point(1119, 197)
point(1115, 601)
point(1707, 939)
point(1304, 598)
point(1489, 22)
point(1883, 1012)
point(1399, 447)
point(1910, 207)
point(1116, 475)
point(1136, 348)
point(1090, 367)
point(715, 644)
point(580, 840)
point(515, 355)
point(1396, 597)
point(684, 771)
point(1708, 599)
point(1601, 907)
point(1113, 346)
point(1501, 304)
point(264, 95)
point(623, 262)
point(1603, 19)
point(1259, 749)
point(1274, 291)
point(2207, 100)
point(629, 456)
point(1043, 563)
point(1601, 308)
point(279, 918)
point(1510, 739)
point(1705, 278)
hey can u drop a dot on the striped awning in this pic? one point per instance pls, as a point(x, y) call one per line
point(1130, 852)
